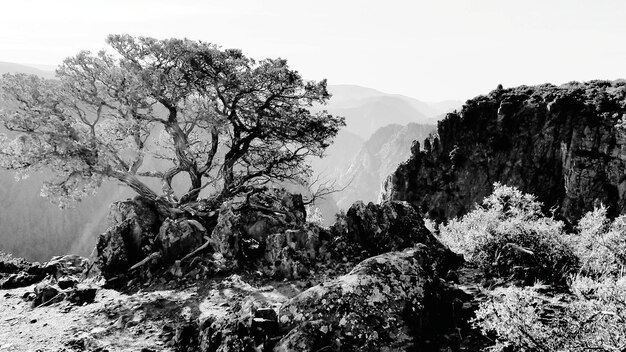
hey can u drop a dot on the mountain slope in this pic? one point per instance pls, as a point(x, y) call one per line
point(363, 173)
point(561, 144)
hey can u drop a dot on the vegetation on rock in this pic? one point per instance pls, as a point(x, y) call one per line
point(509, 237)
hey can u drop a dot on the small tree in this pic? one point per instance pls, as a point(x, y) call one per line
point(160, 108)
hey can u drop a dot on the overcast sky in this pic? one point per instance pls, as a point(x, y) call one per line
point(430, 50)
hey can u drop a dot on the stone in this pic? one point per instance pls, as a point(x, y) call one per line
point(81, 295)
point(383, 304)
point(263, 329)
point(66, 282)
point(46, 294)
point(266, 313)
point(390, 226)
point(113, 257)
point(226, 233)
point(133, 225)
point(178, 238)
point(21, 279)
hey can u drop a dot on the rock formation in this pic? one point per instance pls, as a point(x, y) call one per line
point(381, 305)
point(563, 144)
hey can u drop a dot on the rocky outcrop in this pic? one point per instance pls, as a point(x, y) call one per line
point(562, 144)
point(390, 226)
point(385, 303)
point(133, 225)
point(19, 273)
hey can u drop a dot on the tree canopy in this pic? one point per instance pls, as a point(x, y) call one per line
point(229, 123)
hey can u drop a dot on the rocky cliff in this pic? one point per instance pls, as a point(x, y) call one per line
point(563, 144)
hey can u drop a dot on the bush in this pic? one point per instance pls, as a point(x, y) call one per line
point(600, 244)
point(590, 319)
point(509, 237)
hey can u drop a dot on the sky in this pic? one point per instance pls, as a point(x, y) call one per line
point(429, 50)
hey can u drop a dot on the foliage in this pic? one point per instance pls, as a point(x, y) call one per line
point(600, 244)
point(160, 108)
point(591, 319)
point(509, 233)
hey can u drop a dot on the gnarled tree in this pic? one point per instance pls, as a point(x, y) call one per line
point(160, 108)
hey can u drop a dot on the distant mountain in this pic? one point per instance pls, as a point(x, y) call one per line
point(9, 67)
point(367, 110)
point(362, 170)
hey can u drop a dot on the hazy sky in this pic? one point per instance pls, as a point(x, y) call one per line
point(430, 50)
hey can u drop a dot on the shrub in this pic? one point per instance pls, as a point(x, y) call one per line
point(600, 244)
point(509, 237)
point(590, 319)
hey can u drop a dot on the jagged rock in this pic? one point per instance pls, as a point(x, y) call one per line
point(8, 267)
point(226, 233)
point(66, 282)
point(563, 144)
point(113, 256)
point(390, 226)
point(81, 295)
point(133, 225)
point(138, 209)
point(19, 280)
point(186, 337)
point(46, 294)
point(178, 238)
point(383, 304)
point(266, 313)
point(263, 329)
point(290, 253)
point(66, 265)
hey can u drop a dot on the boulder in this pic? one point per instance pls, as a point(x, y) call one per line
point(289, 254)
point(20, 279)
point(82, 294)
point(226, 234)
point(113, 255)
point(137, 209)
point(129, 239)
point(383, 304)
point(66, 282)
point(178, 238)
point(390, 226)
point(269, 231)
point(46, 294)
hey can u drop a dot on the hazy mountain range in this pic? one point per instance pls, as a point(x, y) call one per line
point(380, 130)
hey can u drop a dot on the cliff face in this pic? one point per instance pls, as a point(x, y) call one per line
point(562, 144)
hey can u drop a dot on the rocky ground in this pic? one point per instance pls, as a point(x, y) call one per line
point(266, 280)
point(148, 319)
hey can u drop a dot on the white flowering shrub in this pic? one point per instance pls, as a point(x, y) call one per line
point(600, 244)
point(509, 233)
point(591, 318)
